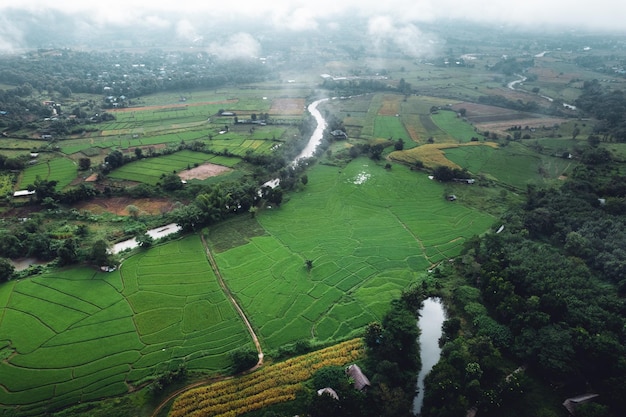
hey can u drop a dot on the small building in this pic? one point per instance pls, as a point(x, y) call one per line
point(23, 193)
point(360, 380)
point(328, 391)
point(451, 197)
point(339, 134)
point(572, 403)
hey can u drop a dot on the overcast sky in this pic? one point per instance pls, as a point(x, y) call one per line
point(186, 18)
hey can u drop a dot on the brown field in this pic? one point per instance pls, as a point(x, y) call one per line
point(499, 119)
point(390, 106)
point(172, 106)
point(118, 205)
point(203, 172)
point(432, 155)
point(288, 106)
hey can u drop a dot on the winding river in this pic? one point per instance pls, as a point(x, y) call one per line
point(432, 316)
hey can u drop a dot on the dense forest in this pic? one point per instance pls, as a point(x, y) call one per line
point(547, 293)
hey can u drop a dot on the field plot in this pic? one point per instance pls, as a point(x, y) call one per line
point(514, 164)
point(62, 170)
point(272, 384)
point(389, 127)
point(149, 170)
point(91, 335)
point(369, 232)
point(454, 126)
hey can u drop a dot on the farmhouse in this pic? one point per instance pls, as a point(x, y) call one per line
point(360, 380)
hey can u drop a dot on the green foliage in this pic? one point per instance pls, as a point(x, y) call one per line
point(6, 270)
point(243, 359)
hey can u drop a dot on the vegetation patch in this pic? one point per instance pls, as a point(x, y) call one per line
point(272, 384)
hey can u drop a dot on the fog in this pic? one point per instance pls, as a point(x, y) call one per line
point(40, 23)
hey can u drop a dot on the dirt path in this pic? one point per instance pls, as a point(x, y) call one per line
point(216, 270)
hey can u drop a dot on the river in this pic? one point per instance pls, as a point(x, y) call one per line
point(155, 233)
point(432, 316)
point(318, 133)
point(314, 140)
point(521, 79)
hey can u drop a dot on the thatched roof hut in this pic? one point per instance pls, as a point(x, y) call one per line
point(360, 380)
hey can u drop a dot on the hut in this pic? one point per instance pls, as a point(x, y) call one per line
point(360, 380)
point(572, 403)
point(328, 391)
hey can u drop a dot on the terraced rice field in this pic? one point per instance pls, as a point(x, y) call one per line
point(92, 334)
point(369, 232)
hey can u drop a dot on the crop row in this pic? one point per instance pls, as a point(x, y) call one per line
point(273, 384)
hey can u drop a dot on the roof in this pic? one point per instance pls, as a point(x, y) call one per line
point(328, 391)
point(22, 193)
point(571, 403)
point(360, 380)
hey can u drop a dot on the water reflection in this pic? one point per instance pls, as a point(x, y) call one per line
point(431, 319)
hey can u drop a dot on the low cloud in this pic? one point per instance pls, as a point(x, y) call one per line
point(11, 37)
point(239, 45)
point(408, 38)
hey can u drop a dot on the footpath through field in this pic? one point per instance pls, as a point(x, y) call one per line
point(255, 339)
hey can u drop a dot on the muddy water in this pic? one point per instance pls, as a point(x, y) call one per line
point(155, 233)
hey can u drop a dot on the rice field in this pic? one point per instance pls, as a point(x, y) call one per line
point(63, 170)
point(149, 170)
point(454, 126)
point(369, 232)
point(92, 335)
point(514, 164)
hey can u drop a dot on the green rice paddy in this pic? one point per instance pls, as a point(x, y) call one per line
point(149, 170)
point(91, 334)
point(62, 170)
point(514, 164)
point(449, 122)
point(370, 233)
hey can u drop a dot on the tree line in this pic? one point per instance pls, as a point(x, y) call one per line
point(543, 302)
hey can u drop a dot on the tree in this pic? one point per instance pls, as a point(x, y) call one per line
point(171, 182)
point(43, 188)
point(308, 264)
point(138, 153)
point(443, 173)
point(68, 252)
point(244, 359)
point(6, 270)
point(133, 211)
point(144, 240)
point(114, 160)
point(99, 255)
point(84, 164)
